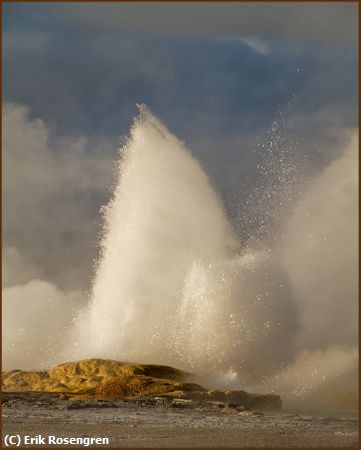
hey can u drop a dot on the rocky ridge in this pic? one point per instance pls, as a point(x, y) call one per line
point(99, 379)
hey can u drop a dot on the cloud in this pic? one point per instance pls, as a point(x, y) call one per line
point(207, 79)
point(320, 24)
point(205, 89)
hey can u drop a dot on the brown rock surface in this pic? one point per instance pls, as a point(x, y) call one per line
point(113, 379)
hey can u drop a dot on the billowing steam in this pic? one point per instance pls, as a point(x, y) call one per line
point(174, 283)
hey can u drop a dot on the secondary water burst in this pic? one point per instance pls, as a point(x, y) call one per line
point(175, 285)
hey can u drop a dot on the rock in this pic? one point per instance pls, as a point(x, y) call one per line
point(109, 379)
point(236, 406)
point(90, 376)
point(90, 404)
point(257, 413)
point(245, 413)
point(240, 398)
point(181, 403)
point(216, 405)
point(265, 402)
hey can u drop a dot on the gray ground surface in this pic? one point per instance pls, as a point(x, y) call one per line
point(135, 425)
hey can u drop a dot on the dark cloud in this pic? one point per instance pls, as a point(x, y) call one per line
point(313, 23)
point(90, 82)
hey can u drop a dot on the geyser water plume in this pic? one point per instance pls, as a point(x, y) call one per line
point(173, 284)
point(236, 315)
point(163, 216)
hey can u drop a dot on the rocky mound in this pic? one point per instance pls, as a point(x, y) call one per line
point(99, 376)
point(113, 379)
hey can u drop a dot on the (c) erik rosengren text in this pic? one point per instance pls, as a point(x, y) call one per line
point(17, 440)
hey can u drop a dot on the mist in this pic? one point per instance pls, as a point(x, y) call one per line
point(178, 282)
point(319, 252)
point(175, 284)
point(232, 255)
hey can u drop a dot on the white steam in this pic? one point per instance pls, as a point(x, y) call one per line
point(319, 250)
point(46, 232)
point(174, 285)
point(37, 316)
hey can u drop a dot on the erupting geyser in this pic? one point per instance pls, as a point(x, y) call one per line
point(175, 285)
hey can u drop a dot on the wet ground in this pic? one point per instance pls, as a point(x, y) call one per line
point(173, 424)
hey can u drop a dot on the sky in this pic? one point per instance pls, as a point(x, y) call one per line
point(219, 75)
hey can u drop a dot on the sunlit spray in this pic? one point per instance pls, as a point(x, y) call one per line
point(175, 285)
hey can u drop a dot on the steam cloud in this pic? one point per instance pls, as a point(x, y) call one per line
point(175, 284)
point(40, 291)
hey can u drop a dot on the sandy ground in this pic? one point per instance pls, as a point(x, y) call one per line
point(140, 426)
